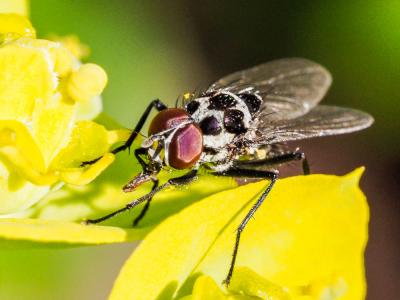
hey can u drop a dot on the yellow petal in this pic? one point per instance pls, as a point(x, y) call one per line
point(88, 141)
point(63, 60)
point(80, 176)
point(16, 192)
point(73, 44)
point(61, 233)
point(206, 289)
point(52, 125)
point(16, 25)
point(89, 110)
point(247, 286)
point(14, 158)
point(14, 6)
point(22, 156)
point(16, 139)
point(89, 81)
point(25, 76)
point(247, 282)
point(311, 229)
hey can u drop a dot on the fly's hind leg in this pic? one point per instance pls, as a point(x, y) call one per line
point(276, 160)
point(248, 174)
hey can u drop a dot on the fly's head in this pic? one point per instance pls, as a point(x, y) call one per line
point(174, 140)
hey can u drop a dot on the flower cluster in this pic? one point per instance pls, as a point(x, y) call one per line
point(47, 99)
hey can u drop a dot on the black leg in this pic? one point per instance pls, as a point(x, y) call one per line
point(182, 180)
point(149, 172)
point(138, 152)
point(280, 159)
point(306, 166)
point(254, 174)
point(146, 206)
point(157, 104)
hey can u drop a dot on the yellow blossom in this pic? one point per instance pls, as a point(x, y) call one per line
point(47, 99)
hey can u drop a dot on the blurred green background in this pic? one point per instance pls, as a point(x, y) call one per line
point(160, 49)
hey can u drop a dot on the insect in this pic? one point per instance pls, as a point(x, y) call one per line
point(238, 127)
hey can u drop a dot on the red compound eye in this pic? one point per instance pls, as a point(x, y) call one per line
point(168, 118)
point(186, 147)
point(187, 143)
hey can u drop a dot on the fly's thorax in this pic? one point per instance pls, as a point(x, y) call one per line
point(226, 119)
point(222, 117)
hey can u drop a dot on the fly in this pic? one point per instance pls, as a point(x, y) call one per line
point(238, 127)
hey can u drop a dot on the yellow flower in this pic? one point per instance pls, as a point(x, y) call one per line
point(47, 99)
point(306, 242)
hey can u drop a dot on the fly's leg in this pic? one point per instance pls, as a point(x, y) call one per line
point(157, 104)
point(248, 174)
point(178, 181)
point(138, 153)
point(146, 206)
point(143, 177)
point(291, 156)
point(305, 166)
point(280, 159)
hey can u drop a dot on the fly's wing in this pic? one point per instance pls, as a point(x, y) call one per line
point(288, 87)
point(321, 121)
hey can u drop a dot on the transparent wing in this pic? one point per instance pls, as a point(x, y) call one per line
point(321, 121)
point(289, 87)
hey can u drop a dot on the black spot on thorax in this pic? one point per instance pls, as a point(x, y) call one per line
point(233, 121)
point(252, 101)
point(221, 101)
point(192, 106)
point(210, 126)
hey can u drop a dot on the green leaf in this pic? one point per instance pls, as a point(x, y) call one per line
point(308, 238)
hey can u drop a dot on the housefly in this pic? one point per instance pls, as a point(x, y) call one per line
point(238, 127)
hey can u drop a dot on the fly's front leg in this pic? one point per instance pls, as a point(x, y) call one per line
point(157, 104)
point(248, 174)
point(138, 153)
point(145, 176)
